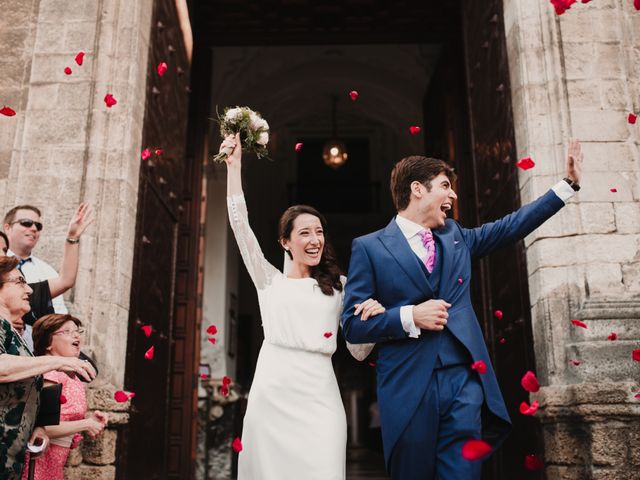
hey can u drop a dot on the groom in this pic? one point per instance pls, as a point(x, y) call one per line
point(419, 268)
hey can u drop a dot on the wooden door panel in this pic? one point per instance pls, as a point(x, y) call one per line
point(500, 279)
point(158, 442)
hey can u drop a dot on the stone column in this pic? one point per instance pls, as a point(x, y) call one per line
point(578, 75)
point(65, 146)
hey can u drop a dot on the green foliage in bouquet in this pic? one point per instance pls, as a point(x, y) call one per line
point(253, 129)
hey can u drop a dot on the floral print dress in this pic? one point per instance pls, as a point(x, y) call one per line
point(19, 403)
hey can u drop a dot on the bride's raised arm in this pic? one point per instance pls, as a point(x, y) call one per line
point(260, 270)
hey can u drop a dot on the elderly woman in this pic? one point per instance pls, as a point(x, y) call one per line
point(21, 373)
point(61, 335)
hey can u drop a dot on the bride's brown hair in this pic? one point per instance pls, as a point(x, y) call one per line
point(327, 272)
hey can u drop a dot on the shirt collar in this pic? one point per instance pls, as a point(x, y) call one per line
point(10, 253)
point(407, 227)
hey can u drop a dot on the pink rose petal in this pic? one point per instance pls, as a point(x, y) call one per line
point(526, 409)
point(162, 68)
point(475, 449)
point(525, 163)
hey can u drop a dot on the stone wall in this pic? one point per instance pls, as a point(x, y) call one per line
point(64, 146)
point(578, 75)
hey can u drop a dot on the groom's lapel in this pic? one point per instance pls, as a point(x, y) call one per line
point(397, 245)
point(448, 245)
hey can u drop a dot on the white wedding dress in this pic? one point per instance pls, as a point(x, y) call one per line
point(295, 426)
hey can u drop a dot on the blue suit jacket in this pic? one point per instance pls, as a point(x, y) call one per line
point(384, 267)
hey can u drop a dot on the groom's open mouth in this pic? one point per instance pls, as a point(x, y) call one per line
point(445, 207)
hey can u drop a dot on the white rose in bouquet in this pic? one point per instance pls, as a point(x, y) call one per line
point(253, 129)
point(263, 138)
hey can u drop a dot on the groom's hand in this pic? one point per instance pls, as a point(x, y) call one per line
point(431, 315)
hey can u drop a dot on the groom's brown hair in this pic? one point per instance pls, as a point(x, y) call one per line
point(415, 168)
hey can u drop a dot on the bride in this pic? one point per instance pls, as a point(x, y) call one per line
point(295, 426)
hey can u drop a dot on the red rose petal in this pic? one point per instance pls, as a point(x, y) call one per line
point(354, 95)
point(526, 409)
point(529, 382)
point(613, 190)
point(236, 445)
point(298, 146)
point(498, 314)
point(121, 396)
point(67, 71)
point(204, 376)
point(475, 449)
point(146, 329)
point(632, 117)
point(145, 154)
point(479, 366)
point(372, 364)
point(414, 129)
point(159, 152)
point(503, 341)
point(533, 462)
point(575, 363)
point(149, 353)
point(211, 340)
point(525, 163)
point(224, 390)
point(109, 100)
point(212, 330)
point(162, 68)
point(63, 399)
point(226, 380)
point(79, 58)
point(637, 395)
point(328, 334)
point(636, 355)
point(7, 111)
point(460, 281)
point(636, 3)
point(579, 323)
point(562, 6)
point(612, 336)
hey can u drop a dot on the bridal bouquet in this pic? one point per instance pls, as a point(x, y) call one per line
point(254, 130)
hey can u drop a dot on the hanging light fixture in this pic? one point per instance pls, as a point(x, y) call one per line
point(334, 152)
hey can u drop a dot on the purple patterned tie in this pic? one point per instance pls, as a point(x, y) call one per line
point(429, 243)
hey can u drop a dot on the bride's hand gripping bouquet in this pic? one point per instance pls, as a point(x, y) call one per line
point(253, 129)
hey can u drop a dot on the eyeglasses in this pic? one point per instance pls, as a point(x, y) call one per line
point(26, 223)
point(16, 280)
point(70, 333)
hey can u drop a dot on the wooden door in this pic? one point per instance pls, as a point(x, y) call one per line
point(159, 440)
point(500, 280)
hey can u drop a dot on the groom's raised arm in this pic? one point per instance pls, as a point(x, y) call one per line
point(492, 236)
point(361, 286)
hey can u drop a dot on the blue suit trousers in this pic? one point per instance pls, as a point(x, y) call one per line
point(430, 448)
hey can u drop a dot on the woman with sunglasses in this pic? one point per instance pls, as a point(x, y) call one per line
point(61, 335)
point(21, 374)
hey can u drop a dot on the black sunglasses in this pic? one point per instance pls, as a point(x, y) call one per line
point(26, 223)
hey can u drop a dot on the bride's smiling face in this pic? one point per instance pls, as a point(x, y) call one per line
point(306, 241)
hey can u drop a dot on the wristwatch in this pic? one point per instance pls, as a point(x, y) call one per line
point(572, 184)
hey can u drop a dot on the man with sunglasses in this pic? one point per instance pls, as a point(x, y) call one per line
point(22, 225)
